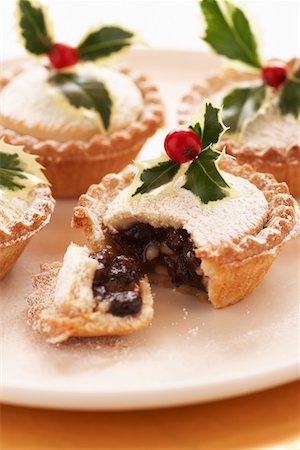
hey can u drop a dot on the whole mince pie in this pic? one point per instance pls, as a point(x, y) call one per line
point(261, 100)
point(81, 116)
point(194, 219)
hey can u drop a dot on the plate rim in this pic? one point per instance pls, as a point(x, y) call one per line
point(179, 395)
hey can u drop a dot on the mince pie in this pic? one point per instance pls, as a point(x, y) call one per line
point(261, 103)
point(26, 203)
point(81, 119)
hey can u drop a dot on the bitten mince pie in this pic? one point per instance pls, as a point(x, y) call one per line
point(80, 118)
point(194, 219)
point(261, 103)
point(26, 203)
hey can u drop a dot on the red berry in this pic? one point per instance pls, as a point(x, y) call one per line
point(182, 145)
point(62, 55)
point(274, 74)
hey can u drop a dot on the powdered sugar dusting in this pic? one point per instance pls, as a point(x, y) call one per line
point(210, 225)
point(265, 129)
point(28, 107)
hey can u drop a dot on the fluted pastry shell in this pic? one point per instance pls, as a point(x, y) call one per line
point(236, 265)
point(276, 152)
point(15, 233)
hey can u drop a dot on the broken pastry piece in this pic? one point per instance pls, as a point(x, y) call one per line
point(90, 295)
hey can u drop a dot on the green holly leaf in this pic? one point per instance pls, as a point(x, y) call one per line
point(213, 126)
point(84, 92)
point(196, 129)
point(208, 125)
point(19, 171)
point(33, 27)
point(202, 175)
point(11, 172)
point(156, 176)
point(241, 104)
point(289, 101)
point(203, 178)
point(228, 32)
point(104, 42)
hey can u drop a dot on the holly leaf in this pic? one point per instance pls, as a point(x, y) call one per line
point(84, 92)
point(196, 129)
point(33, 27)
point(156, 176)
point(202, 175)
point(211, 127)
point(229, 33)
point(19, 171)
point(104, 42)
point(203, 178)
point(11, 171)
point(241, 104)
point(289, 102)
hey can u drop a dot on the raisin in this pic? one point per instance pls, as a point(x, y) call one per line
point(100, 274)
point(176, 239)
point(138, 234)
point(123, 272)
point(125, 303)
point(178, 271)
point(104, 256)
point(191, 261)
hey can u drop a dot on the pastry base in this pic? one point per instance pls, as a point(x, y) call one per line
point(230, 283)
point(9, 255)
point(70, 178)
point(284, 171)
point(15, 235)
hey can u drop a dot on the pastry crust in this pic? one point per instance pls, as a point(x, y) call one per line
point(60, 308)
point(236, 268)
point(282, 162)
point(72, 166)
point(15, 235)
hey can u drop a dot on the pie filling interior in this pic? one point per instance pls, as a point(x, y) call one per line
point(166, 251)
point(115, 284)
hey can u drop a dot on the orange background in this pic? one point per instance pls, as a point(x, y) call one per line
point(268, 419)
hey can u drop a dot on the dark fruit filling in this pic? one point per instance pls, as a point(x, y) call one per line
point(116, 277)
point(115, 281)
point(174, 247)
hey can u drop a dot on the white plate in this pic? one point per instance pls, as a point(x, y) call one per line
point(192, 353)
